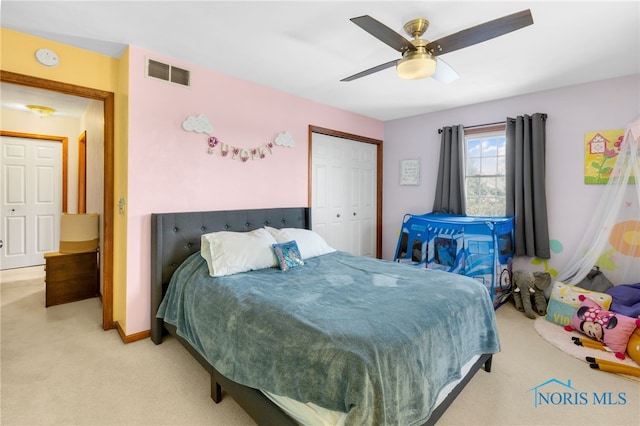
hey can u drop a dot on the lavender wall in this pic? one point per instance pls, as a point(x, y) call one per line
point(170, 170)
point(572, 111)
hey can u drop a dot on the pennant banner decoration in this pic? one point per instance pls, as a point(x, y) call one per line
point(246, 154)
point(201, 124)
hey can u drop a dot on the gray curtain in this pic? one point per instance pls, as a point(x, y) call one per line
point(450, 195)
point(525, 176)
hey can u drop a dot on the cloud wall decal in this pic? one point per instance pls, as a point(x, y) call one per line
point(197, 123)
point(284, 139)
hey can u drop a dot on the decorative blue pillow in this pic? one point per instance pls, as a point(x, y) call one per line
point(288, 255)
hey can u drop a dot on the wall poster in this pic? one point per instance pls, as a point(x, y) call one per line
point(410, 172)
point(600, 152)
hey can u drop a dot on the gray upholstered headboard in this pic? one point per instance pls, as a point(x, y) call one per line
point(175, 236)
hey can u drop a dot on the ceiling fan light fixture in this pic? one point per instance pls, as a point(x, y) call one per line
point(41, 111)
point(416, 65)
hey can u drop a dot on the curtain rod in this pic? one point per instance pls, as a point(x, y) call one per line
point(480, 125)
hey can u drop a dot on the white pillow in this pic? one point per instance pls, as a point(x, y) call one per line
point(229, 253)
point(309, 243)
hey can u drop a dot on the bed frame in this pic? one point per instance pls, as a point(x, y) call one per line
point(175, 236)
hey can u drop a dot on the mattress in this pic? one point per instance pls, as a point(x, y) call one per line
point(312, 414)
point(374, 339)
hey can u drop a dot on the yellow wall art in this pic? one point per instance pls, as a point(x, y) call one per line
point(600, 153)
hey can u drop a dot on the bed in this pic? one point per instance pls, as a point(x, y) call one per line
point(372, 388)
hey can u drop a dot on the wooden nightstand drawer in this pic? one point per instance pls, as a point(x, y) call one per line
point(71, 277)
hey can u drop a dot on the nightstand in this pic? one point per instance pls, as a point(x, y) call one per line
point(70, 277)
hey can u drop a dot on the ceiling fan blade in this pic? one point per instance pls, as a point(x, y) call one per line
point(372, 70)
point(480, 33)
point(383, 33)
point(444, 73)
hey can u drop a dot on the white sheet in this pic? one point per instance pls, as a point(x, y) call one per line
point(310, 414)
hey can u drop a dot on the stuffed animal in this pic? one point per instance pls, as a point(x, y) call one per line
point(541, 281)
point(528, 293)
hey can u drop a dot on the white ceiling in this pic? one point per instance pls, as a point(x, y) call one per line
point(305, 48)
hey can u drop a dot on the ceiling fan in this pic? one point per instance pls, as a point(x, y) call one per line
point(420, 58)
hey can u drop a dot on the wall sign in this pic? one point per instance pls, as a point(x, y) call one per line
point(410, 172)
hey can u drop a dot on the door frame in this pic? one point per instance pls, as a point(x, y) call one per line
point(338, 134)
point(108, 99)
point(82, 172)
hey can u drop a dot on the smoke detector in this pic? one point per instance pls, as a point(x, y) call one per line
point(47, 57)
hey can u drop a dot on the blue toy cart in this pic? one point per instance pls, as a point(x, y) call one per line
point(478, 247)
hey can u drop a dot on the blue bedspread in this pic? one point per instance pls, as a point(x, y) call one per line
point(375, 339)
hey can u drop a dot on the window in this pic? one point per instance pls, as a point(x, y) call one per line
point(485, 171)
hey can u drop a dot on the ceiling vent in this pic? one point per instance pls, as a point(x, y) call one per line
point(170, 73)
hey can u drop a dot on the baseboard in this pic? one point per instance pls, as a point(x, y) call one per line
point(132, 337)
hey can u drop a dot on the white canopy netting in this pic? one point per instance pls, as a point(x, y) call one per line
point(612, 240)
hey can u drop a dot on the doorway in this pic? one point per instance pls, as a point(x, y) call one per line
point(108, 99)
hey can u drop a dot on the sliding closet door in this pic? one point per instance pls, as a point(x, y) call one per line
point(344, 177)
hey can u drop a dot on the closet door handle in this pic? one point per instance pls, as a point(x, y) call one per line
point(338, 215)
point(354, 213)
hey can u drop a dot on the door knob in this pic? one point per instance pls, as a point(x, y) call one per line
point(338, 215)
point(354, 213)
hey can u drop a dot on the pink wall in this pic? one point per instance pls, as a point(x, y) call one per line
point(572, 111)
point(170, 170)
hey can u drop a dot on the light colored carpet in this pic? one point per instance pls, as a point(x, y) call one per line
point(58, 367)
point(561, 339)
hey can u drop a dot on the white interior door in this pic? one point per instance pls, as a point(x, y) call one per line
point(31, 200)
point(344, 177)
point(361, 213)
